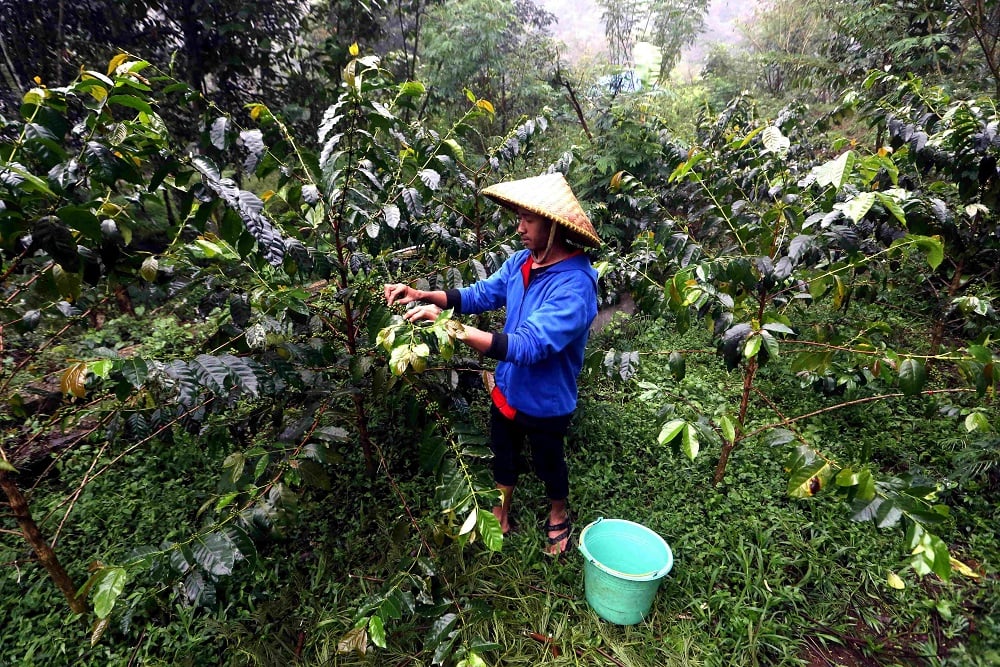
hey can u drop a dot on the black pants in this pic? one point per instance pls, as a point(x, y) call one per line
point(545, 437)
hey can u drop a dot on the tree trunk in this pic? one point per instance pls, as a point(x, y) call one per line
point(8, 69)
point(46, 556)
point(573, 100)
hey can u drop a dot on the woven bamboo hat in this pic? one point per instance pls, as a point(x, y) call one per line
point(549, 196)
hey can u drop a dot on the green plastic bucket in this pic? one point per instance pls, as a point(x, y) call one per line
point(623, 564)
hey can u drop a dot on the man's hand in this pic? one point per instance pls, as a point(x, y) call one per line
point(427, 312)
point(400, 293)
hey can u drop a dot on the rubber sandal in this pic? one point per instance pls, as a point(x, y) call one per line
point(566, 528)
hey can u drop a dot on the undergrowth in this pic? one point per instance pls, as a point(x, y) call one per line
point(759, 578)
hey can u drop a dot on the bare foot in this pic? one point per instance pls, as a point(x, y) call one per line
point(503, 516)
point(502, 511)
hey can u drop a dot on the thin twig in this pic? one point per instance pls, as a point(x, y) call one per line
point(132, 448)
point(142, 638)
point(857, 401)
point(76, 494)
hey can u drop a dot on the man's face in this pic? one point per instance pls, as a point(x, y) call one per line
point(533, 230)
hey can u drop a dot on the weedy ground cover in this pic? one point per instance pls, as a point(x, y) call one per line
point(759, 578)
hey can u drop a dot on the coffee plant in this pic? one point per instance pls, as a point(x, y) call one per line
point(104, 214)
point(770, 231)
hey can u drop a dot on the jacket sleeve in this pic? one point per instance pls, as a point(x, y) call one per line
point(566, 312)
point(490, 293)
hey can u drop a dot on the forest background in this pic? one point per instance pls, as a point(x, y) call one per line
point(220, 446)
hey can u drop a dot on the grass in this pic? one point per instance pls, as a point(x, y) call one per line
point(759, 578)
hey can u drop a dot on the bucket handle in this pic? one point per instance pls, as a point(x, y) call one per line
point(656, 574)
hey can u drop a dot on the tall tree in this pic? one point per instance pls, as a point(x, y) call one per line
point(670, 25)
point(787, 40)
point(224, 47)
point(932, 39)
point(499, 49)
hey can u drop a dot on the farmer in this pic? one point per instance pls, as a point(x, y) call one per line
point(550, 292)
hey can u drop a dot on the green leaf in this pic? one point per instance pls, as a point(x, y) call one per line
point(895, 581)
point(678, 365)
point(33, 181)
point(439, 630)
point(472, 659)
point(134, 370)
point(132, 102)
point(226, 500)
point(857, 207)
point(454, 149)
point(847, 477)
point(689, 441)
point(752, 346)
point(53, 236)
point(892, 205)
point(489, 529)
point(728, 428)
point(215, 553)
point(774, 141)
point(834, 172)
point(212, 373)
point(376, 631)
point(981, 354)
point(314, 474)
point(865, 489)
point(392, 216)
point(432, 451)
point(819, 286)
point(888, 514)
point(778, 437)
point(430, 178)
point(778, 327)
point(83, 220)
point(246, 374)
point(107, 589)
point(770, 344)
point(470, 522)
point(412, 88)
point(912, 376)
point(932, 246)
point(670, 431)
point(977, 421)
point(68, 283)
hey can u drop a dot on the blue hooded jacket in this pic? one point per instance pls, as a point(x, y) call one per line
point(547, 329)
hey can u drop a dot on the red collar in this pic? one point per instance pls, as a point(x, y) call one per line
point(526, 267)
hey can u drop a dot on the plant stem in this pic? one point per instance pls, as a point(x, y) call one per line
point(46, 556)
point(727, 448)
point(937, 333)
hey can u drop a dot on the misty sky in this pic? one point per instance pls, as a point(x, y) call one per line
point(579, 23)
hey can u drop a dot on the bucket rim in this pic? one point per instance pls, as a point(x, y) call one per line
point(644, 576)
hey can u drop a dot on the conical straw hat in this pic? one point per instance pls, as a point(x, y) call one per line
point(549, 196)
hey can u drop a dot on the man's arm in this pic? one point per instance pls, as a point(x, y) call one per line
point(477, 339)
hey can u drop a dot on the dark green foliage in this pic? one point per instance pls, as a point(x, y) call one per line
point(211, 313)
